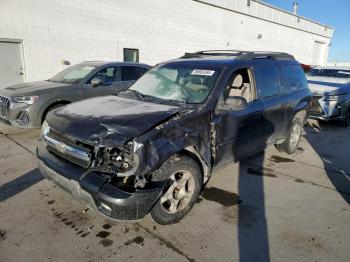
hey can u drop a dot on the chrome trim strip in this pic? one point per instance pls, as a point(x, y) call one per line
point(65, 149)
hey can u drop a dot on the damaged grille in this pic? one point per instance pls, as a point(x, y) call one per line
point(68, 148)
point(316, 109)
point(5, 104)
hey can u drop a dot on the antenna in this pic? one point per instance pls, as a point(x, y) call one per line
point(295, 8)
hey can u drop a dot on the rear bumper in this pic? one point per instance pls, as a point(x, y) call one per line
point(94, 190)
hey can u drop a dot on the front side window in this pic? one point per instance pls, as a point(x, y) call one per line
point(269, 85)
point(131, 73)
point(294, 77)
point(107, 75)
point(241, 84)
point(181, 83)
point(73, 74)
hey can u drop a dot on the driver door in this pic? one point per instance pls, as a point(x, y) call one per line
point(238, 132)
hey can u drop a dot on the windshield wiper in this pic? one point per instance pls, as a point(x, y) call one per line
point(138, 94)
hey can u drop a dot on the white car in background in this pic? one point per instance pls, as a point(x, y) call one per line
point(331, 93)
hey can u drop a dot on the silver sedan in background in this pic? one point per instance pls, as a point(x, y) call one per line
point(26, 105)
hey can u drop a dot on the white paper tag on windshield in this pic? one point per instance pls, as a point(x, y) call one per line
point(202, 72)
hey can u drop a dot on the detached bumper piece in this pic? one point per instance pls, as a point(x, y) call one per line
point(94, 190)
point(316, 110)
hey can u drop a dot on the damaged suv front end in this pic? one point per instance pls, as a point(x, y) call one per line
point(102, 177)
point(104, 174)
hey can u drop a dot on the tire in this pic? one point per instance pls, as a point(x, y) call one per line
point(182, 192)
point(346, 121)
point(292, 141)
point(51, 109)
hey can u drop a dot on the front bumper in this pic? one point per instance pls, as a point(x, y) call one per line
point(94, 190)
point(328, 110)
point(18, 115)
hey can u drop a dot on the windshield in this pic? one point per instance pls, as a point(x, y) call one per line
point(338, 73)
point(73, 74)
point(180, 83)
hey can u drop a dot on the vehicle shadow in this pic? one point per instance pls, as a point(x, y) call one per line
point(20, 184)
point(333, 151)
point(253, 237)
point(252, 223)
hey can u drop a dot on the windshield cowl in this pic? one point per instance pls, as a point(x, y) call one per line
point(147, 98)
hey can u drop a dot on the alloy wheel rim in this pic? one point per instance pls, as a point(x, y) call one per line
point(180, 192)
point(295, 135)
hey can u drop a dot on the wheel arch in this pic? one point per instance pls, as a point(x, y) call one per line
point(192, 152)
point(51, 105)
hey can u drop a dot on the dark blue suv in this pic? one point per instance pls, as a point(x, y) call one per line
point(152, 148)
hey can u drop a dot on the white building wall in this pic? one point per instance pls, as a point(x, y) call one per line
point(80, 30)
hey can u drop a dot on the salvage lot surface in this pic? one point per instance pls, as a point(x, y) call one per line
point(270, 207)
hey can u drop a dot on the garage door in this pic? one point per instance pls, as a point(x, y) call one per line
point(11, 68)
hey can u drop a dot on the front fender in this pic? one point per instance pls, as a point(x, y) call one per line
point(153, 154)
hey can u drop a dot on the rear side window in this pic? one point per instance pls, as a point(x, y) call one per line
point(269, 84)
point(294, 77)
point(131, 73)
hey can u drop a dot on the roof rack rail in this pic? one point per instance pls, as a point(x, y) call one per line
point(265, 54)
point(213, 53)
point(241, 55)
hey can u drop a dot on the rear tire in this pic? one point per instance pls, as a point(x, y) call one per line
point(181, 193)
point(292, 141)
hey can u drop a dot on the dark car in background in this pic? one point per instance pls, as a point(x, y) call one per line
point(331, 94)
point(153, 148)
point(27, 104)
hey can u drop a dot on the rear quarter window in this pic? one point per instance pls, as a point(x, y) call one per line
point(131, 73)
point(294, 78)
point(268, 80)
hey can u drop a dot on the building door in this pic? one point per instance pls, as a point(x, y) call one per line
point(317, 53)
point(11, 67)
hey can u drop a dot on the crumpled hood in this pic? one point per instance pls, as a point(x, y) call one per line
point(110, 120)
point(30, 88)
point(326, 85)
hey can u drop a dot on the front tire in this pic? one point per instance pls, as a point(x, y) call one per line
point(292, 141)
point(182, 192)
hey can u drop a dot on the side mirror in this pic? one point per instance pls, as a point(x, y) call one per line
point(235, 103)
point(95, 82)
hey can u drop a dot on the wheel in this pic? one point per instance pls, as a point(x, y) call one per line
point(51, 109)
point(182, 192)
point(292, 141)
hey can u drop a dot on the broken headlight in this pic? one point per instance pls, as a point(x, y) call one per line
point(119, 160)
